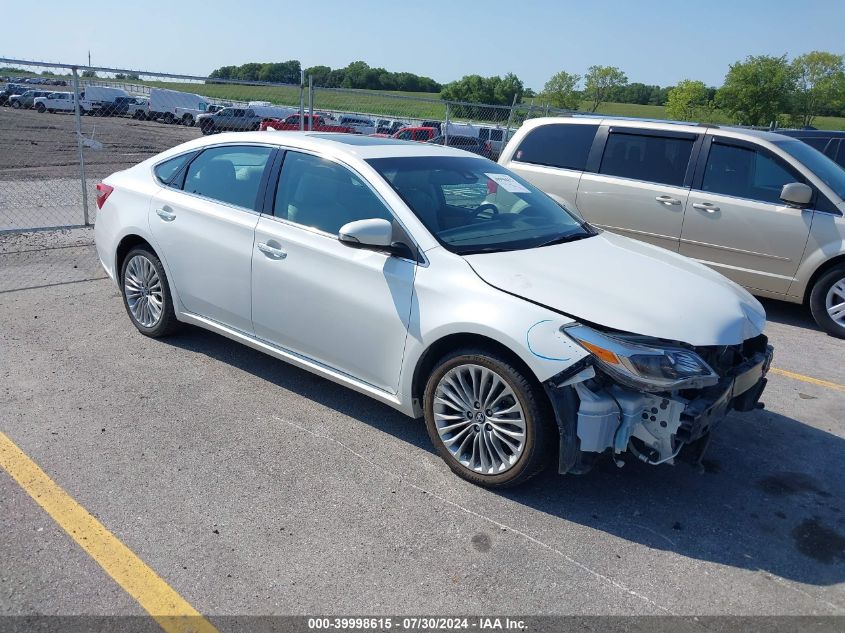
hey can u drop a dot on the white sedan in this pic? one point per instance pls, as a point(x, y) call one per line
point(442, 284)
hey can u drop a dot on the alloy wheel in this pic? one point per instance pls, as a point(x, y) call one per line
point(834, 302)
point(479, 419)
point(142, 287)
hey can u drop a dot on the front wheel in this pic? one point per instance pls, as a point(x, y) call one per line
point(146, 294)
point(41, 108)
point(16, 105)
point(827, 301)
point(488, 420)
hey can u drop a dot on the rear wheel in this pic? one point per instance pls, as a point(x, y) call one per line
point(168, 117)
point(488, 421)
point(827, 301)
point(146, 293)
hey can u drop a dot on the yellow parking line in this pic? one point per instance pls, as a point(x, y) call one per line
point(167, 607)
point(803, 378)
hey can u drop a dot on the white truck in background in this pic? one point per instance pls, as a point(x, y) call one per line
point(96, 100)
point(175, 106)
point(56, 102)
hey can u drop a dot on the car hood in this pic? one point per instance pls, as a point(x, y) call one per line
point(619, 283)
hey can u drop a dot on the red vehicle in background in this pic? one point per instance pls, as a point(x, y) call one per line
point(318, 124)
point(421, 134)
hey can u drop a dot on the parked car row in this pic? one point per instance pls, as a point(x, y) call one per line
point(40, 81)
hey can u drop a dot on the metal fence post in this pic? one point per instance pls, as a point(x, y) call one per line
point(446, 127)
point(301, 100)
point(310, 102)
point(508, 127)
point(78, 117)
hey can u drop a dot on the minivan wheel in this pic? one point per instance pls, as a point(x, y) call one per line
point(488, 421)
point(146, 293)
point(827, 301)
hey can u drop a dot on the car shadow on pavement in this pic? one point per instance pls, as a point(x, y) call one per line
point(321, 390)
point(770, 496)
point(789, 314)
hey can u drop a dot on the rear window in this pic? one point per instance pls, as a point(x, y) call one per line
point(166, 171)
point(558, 145)
point(658, 159)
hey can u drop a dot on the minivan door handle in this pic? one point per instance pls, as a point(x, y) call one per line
point(705, 206)
point(164, 214)
point(667, 200)
point(271, 251)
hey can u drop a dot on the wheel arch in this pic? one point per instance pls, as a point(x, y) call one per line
point(819, 272)
point(126, 244)
point(442, 346)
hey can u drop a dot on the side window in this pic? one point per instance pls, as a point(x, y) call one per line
point(558, 145)
point(814, 141)
point(656, 159)
point(745, 173)
point(406, 135)
point(230, 174)
point(324, 195)
point(496, 135)
point(168, 169)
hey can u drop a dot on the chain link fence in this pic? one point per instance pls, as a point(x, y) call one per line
point(63, 128)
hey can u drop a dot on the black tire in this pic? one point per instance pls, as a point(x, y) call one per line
point(41, 108)
point(167, 118)
point(166, 323)
point(818, 299)
point(16, 105)
point(187, 120)
point(206, 128)
point(540, 429)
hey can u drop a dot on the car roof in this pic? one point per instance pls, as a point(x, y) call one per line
point(334, 143)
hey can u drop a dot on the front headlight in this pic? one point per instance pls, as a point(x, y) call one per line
point(641, 366)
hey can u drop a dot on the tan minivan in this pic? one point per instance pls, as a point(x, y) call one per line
point(763, 209)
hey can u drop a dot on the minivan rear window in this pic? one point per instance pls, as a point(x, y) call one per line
point(565, 145)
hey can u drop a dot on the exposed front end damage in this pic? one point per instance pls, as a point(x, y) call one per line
point(602, 411)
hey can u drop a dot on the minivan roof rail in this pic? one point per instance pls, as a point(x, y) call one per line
point(647, 120)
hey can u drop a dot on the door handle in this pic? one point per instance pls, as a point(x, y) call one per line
point(705, 206)
point(164, 214)
point(271, 251)
point(667, 200)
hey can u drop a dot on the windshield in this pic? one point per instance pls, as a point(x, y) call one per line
point(472, 205)
point(828, 171)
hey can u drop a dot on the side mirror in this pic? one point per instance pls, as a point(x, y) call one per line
point(796, 194)
point(375, 232)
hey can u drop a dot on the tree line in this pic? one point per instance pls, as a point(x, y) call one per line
point(356, 75)
point(760, 90)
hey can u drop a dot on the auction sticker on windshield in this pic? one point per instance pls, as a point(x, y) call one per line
point(507, 183)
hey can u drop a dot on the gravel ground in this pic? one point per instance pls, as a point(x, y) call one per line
point(40, 180)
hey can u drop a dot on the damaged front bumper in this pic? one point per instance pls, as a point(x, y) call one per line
point(596, 415)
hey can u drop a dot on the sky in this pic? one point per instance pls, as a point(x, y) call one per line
point(653, 42)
